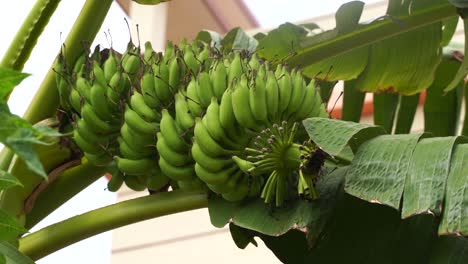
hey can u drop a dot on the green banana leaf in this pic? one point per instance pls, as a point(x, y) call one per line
point(403, 61)
point(442, 109)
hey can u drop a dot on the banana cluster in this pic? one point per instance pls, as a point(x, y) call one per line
point(194, 117)
point(244, 146)
point(146, 115)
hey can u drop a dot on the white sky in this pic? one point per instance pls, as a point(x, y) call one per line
point(270, 13)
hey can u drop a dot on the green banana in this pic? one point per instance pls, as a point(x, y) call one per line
point(183, 173)
point(183, 115)
point(171, 132)
point(138, 104)
point(193, 99)
point(208, 162)
point(134, 167)
point(204, 89)
point(170, 155)
point(133, 120)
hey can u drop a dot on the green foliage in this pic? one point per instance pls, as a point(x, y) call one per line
point(11, 255)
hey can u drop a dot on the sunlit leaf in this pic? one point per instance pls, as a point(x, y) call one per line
point(7, 180)
point(12, 255)
point(237, 39)
point(9, 226)
point(426, 180)
point(281, 42)
point(8, 80)
point(349, 65)
point(306, 216)
point(209, 36)
point(455, 215)
point(379, 169)
point(334, 135)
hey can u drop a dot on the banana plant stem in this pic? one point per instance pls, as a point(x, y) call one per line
point(72, 230)
point(26, 38)
point(67, 185)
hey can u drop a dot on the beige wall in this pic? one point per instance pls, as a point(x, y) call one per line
point(189, 237)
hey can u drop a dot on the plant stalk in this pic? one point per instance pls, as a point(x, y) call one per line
point(72, 230)
point(26, 38)
point(371, 33)
point(66, 186)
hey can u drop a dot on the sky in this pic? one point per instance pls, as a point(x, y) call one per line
point(98, 248)
point(270, 13)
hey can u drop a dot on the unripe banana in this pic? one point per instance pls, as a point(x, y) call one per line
point(133, 120)
point(182, 173)
point(284, 88)
point(244, 165)
point(83, 85)
point(135, 183)
point(111, 65)
point(235, 69)
point(99, 102)
point(149, 56)
point(175, 73)
point(208, 162)
point(75, 100)
point(214, 177)
point(134, 167)
point(229, 185)
point(213, 125)
point(204, 89)
point(219, 79)
point(241, 105)
point(148, 90)
point(95, 123)
point(297, 94)
point(183, 115)
point(135, 139)
point(85, 145)
point(257, 100)
point(98, 74)
point(89, 135)
point(191, 61)
point(173, 157)
point(311, 102)
point(137, 103)
point(226, 113)
point(116, 181)
point(272, 96)
point(193, 99)
point(100, 160)
point(171, 132)
point(157, 179)
point(128, 151)
point(161, 83)
point(131, 63)
point(208, 144)
point(239, 193)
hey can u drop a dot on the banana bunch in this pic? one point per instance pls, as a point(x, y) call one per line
point(194, 117)
point(148, 117)
point(202, 94)
point(245, 145)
